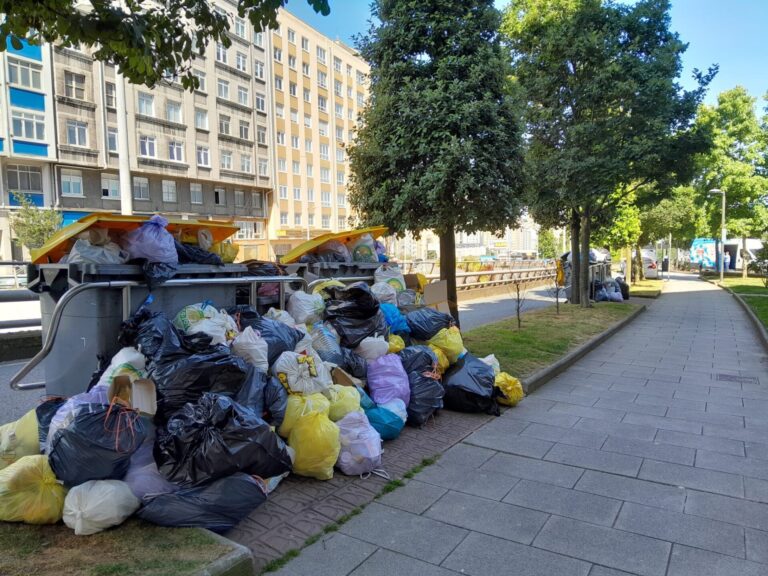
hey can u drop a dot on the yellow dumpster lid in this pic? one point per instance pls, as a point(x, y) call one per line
point(346, 237)
point(60, 243)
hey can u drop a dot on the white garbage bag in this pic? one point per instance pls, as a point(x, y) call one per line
point(360, 445)
point(97, 505)
point(250, 345)
point(384, 293)
point(372, 348)
point(306, 308)
point(302, 372)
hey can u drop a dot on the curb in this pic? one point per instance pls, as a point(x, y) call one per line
point(538, 379)
point(238, 562)
point(762, 333)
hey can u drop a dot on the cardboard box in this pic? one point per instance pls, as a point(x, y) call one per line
point(140, 394)
point(343, 378)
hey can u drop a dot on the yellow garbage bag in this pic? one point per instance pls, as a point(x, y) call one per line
point(302, 405)
point(511, 389)
point(442, 359)
point(315, 439)
point(449, 341)
point(19, 439)
point(29, 492)
point(343, 399)
point(396, 343)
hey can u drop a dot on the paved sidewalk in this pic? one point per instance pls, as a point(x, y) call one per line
point(648, 457)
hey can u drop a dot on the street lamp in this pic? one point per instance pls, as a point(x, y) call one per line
point(722, 231)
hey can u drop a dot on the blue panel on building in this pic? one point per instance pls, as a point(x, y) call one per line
point(36, 199)
point(27, 50)
point(26, 99)
point(31, 148)
point(70, 217)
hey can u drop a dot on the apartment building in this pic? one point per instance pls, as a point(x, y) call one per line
point(319, 87)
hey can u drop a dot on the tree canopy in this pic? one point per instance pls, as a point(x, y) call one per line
point(146, 40)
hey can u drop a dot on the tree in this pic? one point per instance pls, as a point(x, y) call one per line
point(738, 164)
point(32, 225)
point(146, 40)
point(547, 244)
point(438, 148)
point(604, 113)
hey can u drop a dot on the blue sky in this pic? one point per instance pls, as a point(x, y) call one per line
point(730, 33)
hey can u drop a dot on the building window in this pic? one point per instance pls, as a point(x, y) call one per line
point(140, 188)
point(321, 55)
point(221, 53)
point(297, 219)
point(279, 110)
point(305, 44)
point(261, 104)
point(307, 95)
point(282, 166)
point(281, 138)
point(292, 88)
point(29, 126)
point(339, 111)
point(112, 139)
point(200, 75)
point(169, 191)
point(258, 39)
point(219, 197)
point(322, 79)
point(278, 55)
point(340, 155)
point(77, 133)
point(307, 120)
point(74, 85)
point(24, 74)
point(283, 192)
point(195, 193)
point(223, 124)
point(310, 171)
point(297, 193)
point(323, 128)
point(176, 151)
point(203, 156)
point(305, 69)
point(110, 95)
point(324, 152)
point(339, 177)
point(278, 83)
point(261, 135)
point(310, 194)
point(110, 186)
point(341, 200)
point(245, 129)
point(292, 62)
point(71, 183)
point(337, 64)
point(296, 166)
point(240, 27)
point(146, 104)
point(295, 142)
point(258, 69)
point(326, 222)
point(173, 111)
point(291, 36)
point(201, 119)
point(325, 198)
point(239, 198)
point(25, 178)
point(310, 219)
point(294, 116)
point(222, 89)
point(245, 163)
point(283, 218)
point(263, 167)
point(337, 87)
point(225, 161)
point(307, 145)
point(242, 95)
point(147, 146)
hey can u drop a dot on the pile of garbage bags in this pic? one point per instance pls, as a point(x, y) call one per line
point(239, 401)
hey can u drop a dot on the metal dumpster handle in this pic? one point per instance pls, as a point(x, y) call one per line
point(70, 294)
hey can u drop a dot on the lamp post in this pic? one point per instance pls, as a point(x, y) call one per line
point(722, 231)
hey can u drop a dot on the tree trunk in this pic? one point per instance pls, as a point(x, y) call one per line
point(638, 265)
point(575, 258)
point(744, 261)
point(448, 269)
point(585, 237)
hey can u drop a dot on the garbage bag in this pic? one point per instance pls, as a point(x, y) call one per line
point(469, 386)
point(191, 254)
point(384, 293)
point(84, 252)
point(19, 438)
point(151, 241)
point(372, 348)
point(325, 344)
point(395, 319)
point(386, 423)
point(396, 406)
point(302, 373)
point(316, 442)
point(360, 445)
point(306, 308)
point(300, 405)
point(217, 437)
point(279, 336)
point(45, 412)
point(334, 251)
point(127, 362)
point(450, 342)
point(354, 364)
point(204, 317)
point(217, 506)
point(252, 347)
point(243, 315)
point(364, 249)
point(97, 505)
point(509, 389)
point(396, 344)
point(66, 412)
point(96, 445)
point(493, 362)
point(390, 274)
point(343, 399)
point(387, 379)
point(420, 362)
point(30, 493)
point(143, 477)
point(426, 322)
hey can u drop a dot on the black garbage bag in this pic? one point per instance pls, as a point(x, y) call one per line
point(427, 392)
point(190, 254)
point(426, 322)
point(265, 396)
point(96, 445)
point(280, 337)
point(217, 506)
point(45, 412)
point(352, 330)
point(217, 437)
point(469, 386)
point(353, 301)
point(354, 364)
point(244, 314)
